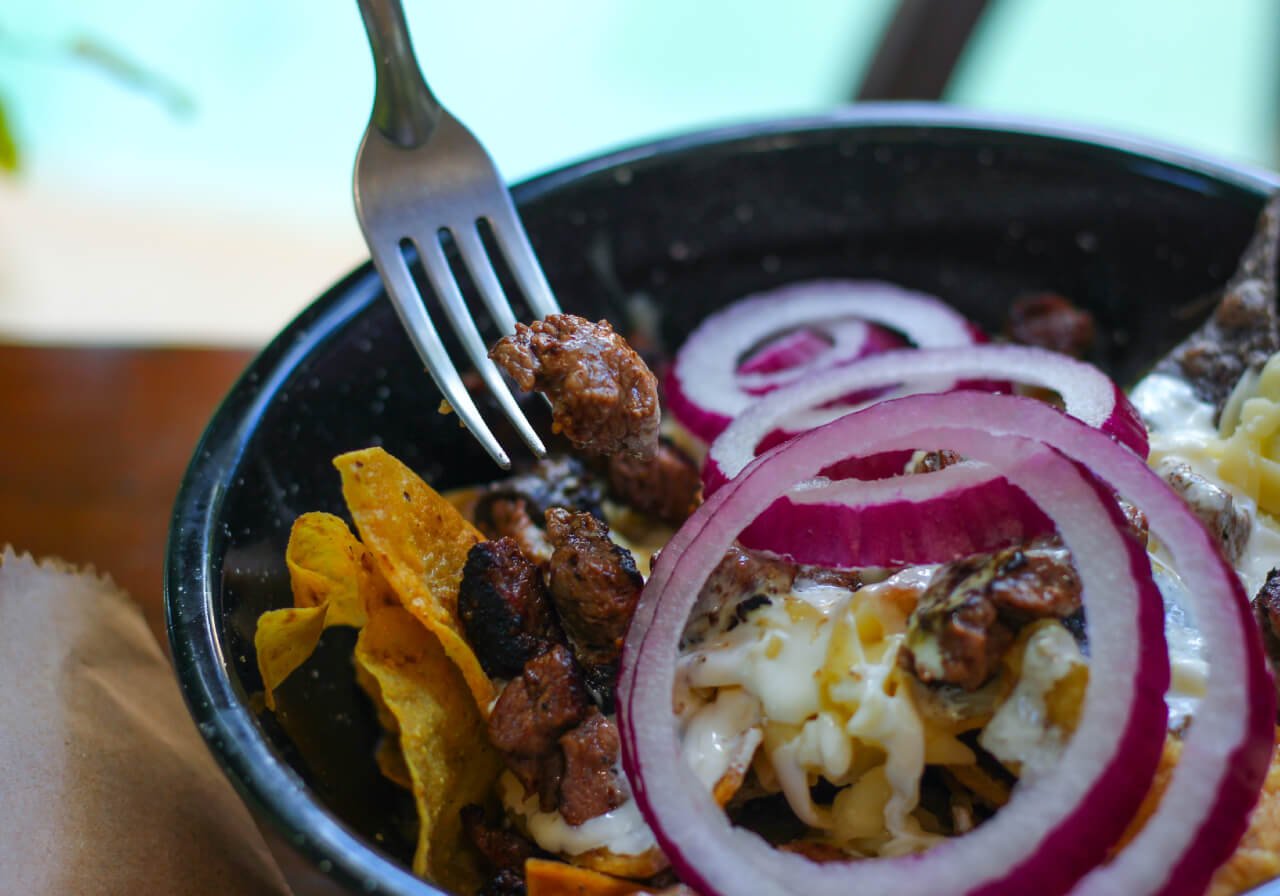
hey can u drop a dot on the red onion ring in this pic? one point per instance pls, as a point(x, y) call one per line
point(981, 518)
point(1087, 393)
point(800, 351)
point(1226, 752)
point(1108, 764)
point(706, 387)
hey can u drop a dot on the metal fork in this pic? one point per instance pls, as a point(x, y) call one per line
point(420, 174)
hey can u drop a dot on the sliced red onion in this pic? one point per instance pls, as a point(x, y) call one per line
point(707, 386)
point(1087, 394)
point(909, 523)
point(795, 348)
point(979, 519)
point(1049, 834)
point(783, 360)
point(1083, 809)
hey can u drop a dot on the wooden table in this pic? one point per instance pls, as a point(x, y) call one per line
point(93, 444)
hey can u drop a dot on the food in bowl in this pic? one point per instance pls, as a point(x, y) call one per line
point(866, 643)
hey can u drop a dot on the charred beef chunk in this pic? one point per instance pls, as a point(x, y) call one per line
point(666, 486)
point(509, 518)
point(503, 848)
point(1136, 519)
point(515, 507)
point(823, 577)
point(560, 481)
point(1048, 320)
point(590, 785)
point(933, 461)
point(603, 397)
point(968, 616)
point(595, 585)
point(1216, 508)
point(507, 882)
point(533, 710)
point(540, 777)
point(1266, 611)
point(1244, 329)
point(743, 579)
point(505, 611)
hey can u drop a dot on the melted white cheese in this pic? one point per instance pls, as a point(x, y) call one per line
point(815, 672)
point(622, 830)
point(1181, 428)
point(721, 735)
point(1023, 730)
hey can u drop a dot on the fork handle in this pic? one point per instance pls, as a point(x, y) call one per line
point(404, 108)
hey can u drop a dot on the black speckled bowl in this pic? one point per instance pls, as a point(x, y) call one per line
point(974, 209)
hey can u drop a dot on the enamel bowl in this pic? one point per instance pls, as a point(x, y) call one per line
point(974, 209)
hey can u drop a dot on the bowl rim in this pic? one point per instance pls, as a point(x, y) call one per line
point(264, 781)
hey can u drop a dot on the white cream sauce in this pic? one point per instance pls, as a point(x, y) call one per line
point(622, 830)
point(1181, 427)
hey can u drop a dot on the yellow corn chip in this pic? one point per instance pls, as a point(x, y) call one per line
point(419, 543)
point(390, 759)
point(442, 736)
point(283, 641)
point(369, 684)
point(328, 565)
point(545, 877)
point(639, 867)
point(333, 577)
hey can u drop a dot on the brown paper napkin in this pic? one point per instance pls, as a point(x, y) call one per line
point(105, 785)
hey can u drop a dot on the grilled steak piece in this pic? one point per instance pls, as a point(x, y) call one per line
point(1266, 611)
point(542, 703)
point(968, 616)
point(933, 461)
point(1136, 519)
point(590, 785)
point(757, 577)
point(1048, 320)
point(505, 611)
point(502, 848)
point(594, 584)
point(509, 518)
point(666, 486)
point(540, 777)
point(1227, 522)
point(1244, 329)
point(560, 481)
point(603, 397)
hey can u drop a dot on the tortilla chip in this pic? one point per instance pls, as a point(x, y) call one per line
point(419, 542)
point(639, 867)
point(443, 738)
point(283, 641)
point(390, 759)
point(328, 565)
point(369, 684)
point(1257, 857)
point(545, 877)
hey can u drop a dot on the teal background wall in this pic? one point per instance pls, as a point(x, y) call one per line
point(280, 93)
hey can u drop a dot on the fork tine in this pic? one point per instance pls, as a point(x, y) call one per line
point(446, 289)
point(474, 256)
point(422, 332)
point(514, 244)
